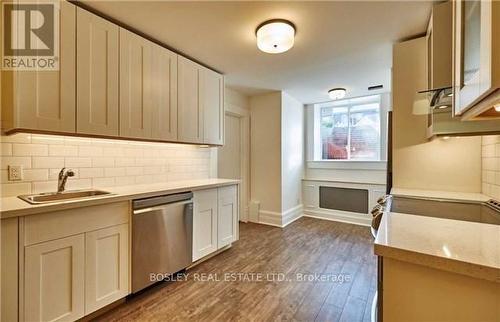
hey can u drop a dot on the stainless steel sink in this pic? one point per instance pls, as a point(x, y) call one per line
point(50, 197)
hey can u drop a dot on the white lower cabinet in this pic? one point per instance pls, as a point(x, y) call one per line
point(106, 266)
point(204, 223)
point(227, 216)
point(75, 262)
point(54, 280)
point(215, 220)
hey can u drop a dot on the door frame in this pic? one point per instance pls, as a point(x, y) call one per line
point(244, 194)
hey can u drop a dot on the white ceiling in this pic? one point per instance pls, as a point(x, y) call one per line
point(338, 44)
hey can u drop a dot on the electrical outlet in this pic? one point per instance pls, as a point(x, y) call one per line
point(15, 172)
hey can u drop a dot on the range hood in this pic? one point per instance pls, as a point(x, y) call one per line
point(427, 100)
point(441, 98)
point(441, 123)
point(436, 104)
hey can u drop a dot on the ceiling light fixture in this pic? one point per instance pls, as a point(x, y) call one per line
point(275, 36)
point(337, 93)
point(497, 107)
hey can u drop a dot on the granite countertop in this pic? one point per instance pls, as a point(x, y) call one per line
point(456, 246)
point(14, 207)
point(465, 196)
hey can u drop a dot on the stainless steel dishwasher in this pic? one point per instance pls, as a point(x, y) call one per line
point(162, 237)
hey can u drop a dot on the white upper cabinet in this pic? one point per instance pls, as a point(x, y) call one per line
point(44, 100)
point(136, 96)
point(212, 98)
point(476, 57)
point(439, 51)
point(97, 75)
point(148, 89)
point(200, 104)
point(190, 112)
point(115, 83)
point(164, 98)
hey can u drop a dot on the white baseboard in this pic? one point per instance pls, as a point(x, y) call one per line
point(283, 219)
point(291, 215)
point(246, 214)
point(337, 215)
point(270, 218)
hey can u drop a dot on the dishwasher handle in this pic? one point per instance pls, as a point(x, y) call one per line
point(161, 200)
point(149, 209)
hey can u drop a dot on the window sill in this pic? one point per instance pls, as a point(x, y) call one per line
point(347, 165)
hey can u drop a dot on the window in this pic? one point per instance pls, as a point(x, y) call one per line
point(349, 129)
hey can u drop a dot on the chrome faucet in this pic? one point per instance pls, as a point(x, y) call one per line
point(63, 177)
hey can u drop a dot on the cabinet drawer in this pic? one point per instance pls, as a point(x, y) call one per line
point(227, 192)
point(58, 224)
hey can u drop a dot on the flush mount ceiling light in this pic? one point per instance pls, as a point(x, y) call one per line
point(275, 36)
point(337, 93)
point(497, 107)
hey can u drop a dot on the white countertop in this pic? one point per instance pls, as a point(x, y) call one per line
point(466, 196)
point(14, 207)
point(462, 247)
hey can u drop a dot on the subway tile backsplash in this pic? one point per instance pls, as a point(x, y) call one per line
point(98, 163)
point(491, 166)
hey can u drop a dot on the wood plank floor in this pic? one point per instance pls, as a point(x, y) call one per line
point(307, 246)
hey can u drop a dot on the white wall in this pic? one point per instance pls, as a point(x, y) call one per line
point(97, 162)
point(233, 98)
point(450, 165)
point(265, 151)
point(292, 152)
point(277, 157)
point(347, 172)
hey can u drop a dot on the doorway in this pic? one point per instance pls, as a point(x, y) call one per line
point(233, 157)
point(229, 165)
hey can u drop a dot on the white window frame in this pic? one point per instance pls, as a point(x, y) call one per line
point(313, 120)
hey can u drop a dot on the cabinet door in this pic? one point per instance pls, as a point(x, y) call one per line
point(97, 75)
point(136, 94)
point(227, 216)
point(476, 52)
point(106, 266)
point(9, 269)
point(212, 99)
point(204, 223)
point(164, 89)
point(190, 112)
point(45, 100)
point(54, 280)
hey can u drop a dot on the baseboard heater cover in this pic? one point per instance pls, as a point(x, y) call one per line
point(344, 199)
